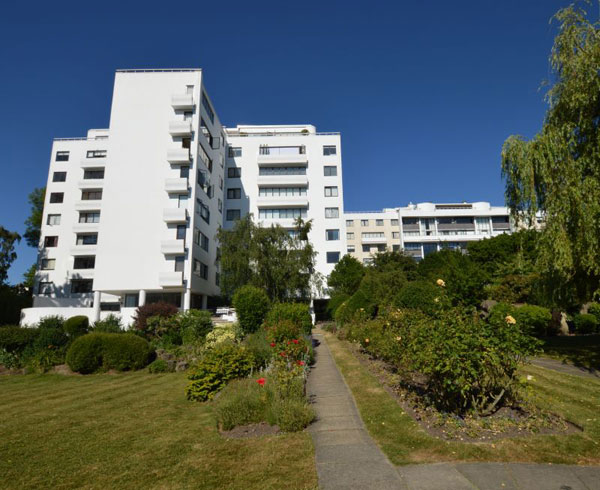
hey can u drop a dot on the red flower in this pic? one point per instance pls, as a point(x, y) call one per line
point(300, 363)
point(282, 354)
point(261, 381)
point(273, 344)
point(295, 341)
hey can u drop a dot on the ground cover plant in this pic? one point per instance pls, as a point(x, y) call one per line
point(134, 430)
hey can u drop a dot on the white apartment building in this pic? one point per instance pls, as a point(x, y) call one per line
point(424, 228)
point(132, 211)
point(280, 173)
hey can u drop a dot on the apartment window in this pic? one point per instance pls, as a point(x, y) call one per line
point(53, 219)
point(283, 213)
point(220, 205)
point(374, 234)
point(89, 217)
point(96, 154)
point(381, 248)
point(113, 306)
point(332, 235)
point(179, 263)
point(186, 143)
point(351, 249)
point(203, 242)
point(45, 288)
point(131, 301)
point(51, 241)
point(349, 222)
point(84, 262)
point(332, 212)
point(234, 172)
point(184, 172)
point(59, 176)
point(234, 151)
point(79, 286)
point(330, 170)
point(329, 150)
point(203, 210)
point(206, 131)
point(366, 248)
point(48, 264)
point(233, 214)
point(62, 156)
point(364, 222)
point(87, 239)
point(205, 158)
point(349, 236)
point(200, 269)
point(93, 174)
point(282, 171)
point(331, 191)
point(234, 193)
point(206, 104)
point(181, 232)
point(281, 191)
point(217, 279)
point(220, 182)
point(395, 248)
point(378, 222)
point(395, 222)
point(94, 195)
point(182, 200)
point(203, 181)
point(333, 257)
point(188, 115)
point(395, 234)
point(57, 197)
point(368, 261)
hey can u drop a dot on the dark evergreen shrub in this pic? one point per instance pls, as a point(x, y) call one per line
point(76, 326)
point(14, 338)
point(251, 306)
point(297, 313)
point(585, 323)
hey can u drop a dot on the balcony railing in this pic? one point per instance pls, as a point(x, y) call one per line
point(172, 247)
point(182, 101)
point(176, 185)
point(170, 279)
point(175, 215)
point(180, 128)
point(178, 155)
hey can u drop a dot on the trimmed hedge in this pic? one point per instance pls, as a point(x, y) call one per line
point(297, 313)
point(95, 351)
point(419, 295)
point(76, 326)
point(14, 338)
point(251, 306)
point(585, 323)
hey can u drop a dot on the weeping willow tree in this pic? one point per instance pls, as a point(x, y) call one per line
point(557, 173)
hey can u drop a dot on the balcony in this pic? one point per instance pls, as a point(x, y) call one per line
point(83, 250)
point(93, 162)
point(500, 226)
point(282, 202)
point(91, 205)
point(182, 101)
point(374, 240)
point(177, 185)
point(172, 247)
point(175, 215)
point(91, 184)
point(456, 227)
point(178, 155)
point(278, 159)
point(281, 180)
point(170, 279)
point(180, 128)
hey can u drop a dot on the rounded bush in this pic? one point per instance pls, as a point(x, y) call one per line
point(158, 366)
point(534, 320)
point(594, 309)
point(85, 354)
point(53, 322)
point(14, 338)
point(110, 324)
point(76, 326)
point(251, 306)
point(297, 313)
point(419, 295)
point(335, 302)
point(585, 323)
point(194, 325)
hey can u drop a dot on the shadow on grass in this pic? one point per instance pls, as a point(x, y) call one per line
point(581, 350)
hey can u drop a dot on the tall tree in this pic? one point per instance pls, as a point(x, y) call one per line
point(271, 258)
point(33, 224)
point(346, 276)
point(557, 172)
point(8, 239)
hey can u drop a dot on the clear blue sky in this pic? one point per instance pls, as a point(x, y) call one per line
point(423, 92)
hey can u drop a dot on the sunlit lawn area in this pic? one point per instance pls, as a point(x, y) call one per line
point(582, 350)
point(133, 430)
point(401, 438)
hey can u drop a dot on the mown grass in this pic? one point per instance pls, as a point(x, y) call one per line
point(133, 430)
point(580, 350)
point(404, 441)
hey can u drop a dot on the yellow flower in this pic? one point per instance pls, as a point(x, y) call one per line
point(398, 339)
point(510, 320)
point(436, 300)
point(366, 341)
point(441, 283)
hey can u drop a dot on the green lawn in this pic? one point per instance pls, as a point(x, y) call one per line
point(402, 439)
point(133, 430)
point(581, 350)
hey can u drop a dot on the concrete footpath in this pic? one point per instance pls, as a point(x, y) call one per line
point(348, 458)
point(563, 367)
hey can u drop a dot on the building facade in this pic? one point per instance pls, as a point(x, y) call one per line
point(132, 211)
point(424, 228)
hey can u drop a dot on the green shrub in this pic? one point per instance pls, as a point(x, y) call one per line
point(164, 331)
point(251, 306)
point(9, 360)
point(425, 296)
point(76, 326)
point(358, 304)
point(160, 309)
point(219, 365)
point(241, 402)
point(594, 309)
point(515, 288)
point(158, 366)
point(534, 320)
point(110, 324)
point(51, 322)
point(258, 345)
point(93, 351)
point(42, 360)
point(50, 338)
point(223, 333)
point(335, 302)
point(297, 313)
point(14, 338)
point(585, 323)
point(194, 325)
point(282, 331)
point(293, 414)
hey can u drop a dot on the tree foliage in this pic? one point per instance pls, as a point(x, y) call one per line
point(8, 239)
point(270, 258)
point(346, 276)
point(33, 224)
point(557, 172)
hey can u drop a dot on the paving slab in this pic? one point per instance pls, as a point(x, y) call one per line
point(546, 477)
point(434, 477)
point(488, 476)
